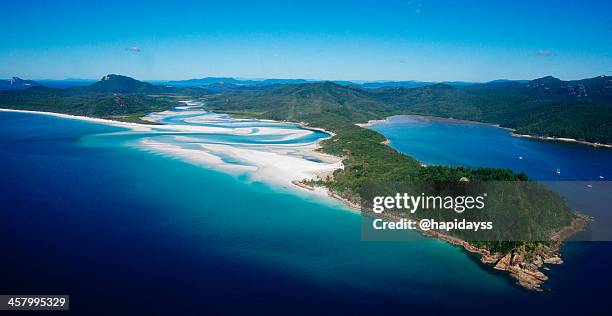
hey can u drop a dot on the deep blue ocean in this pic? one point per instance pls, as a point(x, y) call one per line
point(128, 232)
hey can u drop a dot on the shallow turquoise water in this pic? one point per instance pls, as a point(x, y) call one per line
point(112, 222)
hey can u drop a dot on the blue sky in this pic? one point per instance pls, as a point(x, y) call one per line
point(355, 40)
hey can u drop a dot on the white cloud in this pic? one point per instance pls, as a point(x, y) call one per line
point(134, 49)
point(544, 53)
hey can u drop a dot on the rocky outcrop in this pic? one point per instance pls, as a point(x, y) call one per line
point(504, 262)
point(525, 262)
point(524, 265)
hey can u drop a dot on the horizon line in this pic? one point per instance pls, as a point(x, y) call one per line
point(358, 81)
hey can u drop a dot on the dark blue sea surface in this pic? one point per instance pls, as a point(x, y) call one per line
point(129, 232)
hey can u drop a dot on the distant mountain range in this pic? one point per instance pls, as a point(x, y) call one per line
point(222, 84)
point(597, 89)
point(231, 81)
point(547, 106)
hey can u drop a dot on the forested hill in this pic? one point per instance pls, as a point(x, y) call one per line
point(114, 97)
point(122, 84)
point(580, 109)
point(294, 102)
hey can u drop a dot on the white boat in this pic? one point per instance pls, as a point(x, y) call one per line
point(520, 157)
point(558, 171)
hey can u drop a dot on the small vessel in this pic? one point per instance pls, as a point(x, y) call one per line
point(589, 186)
point(558, 171)
point(520, 157)
point(601, 177)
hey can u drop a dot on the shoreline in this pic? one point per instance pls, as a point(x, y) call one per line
point(513, 132)
point(129, 125)
point(557, 139)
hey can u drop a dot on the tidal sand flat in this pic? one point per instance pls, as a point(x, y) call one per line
point(262, 150)
point(265, 151)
